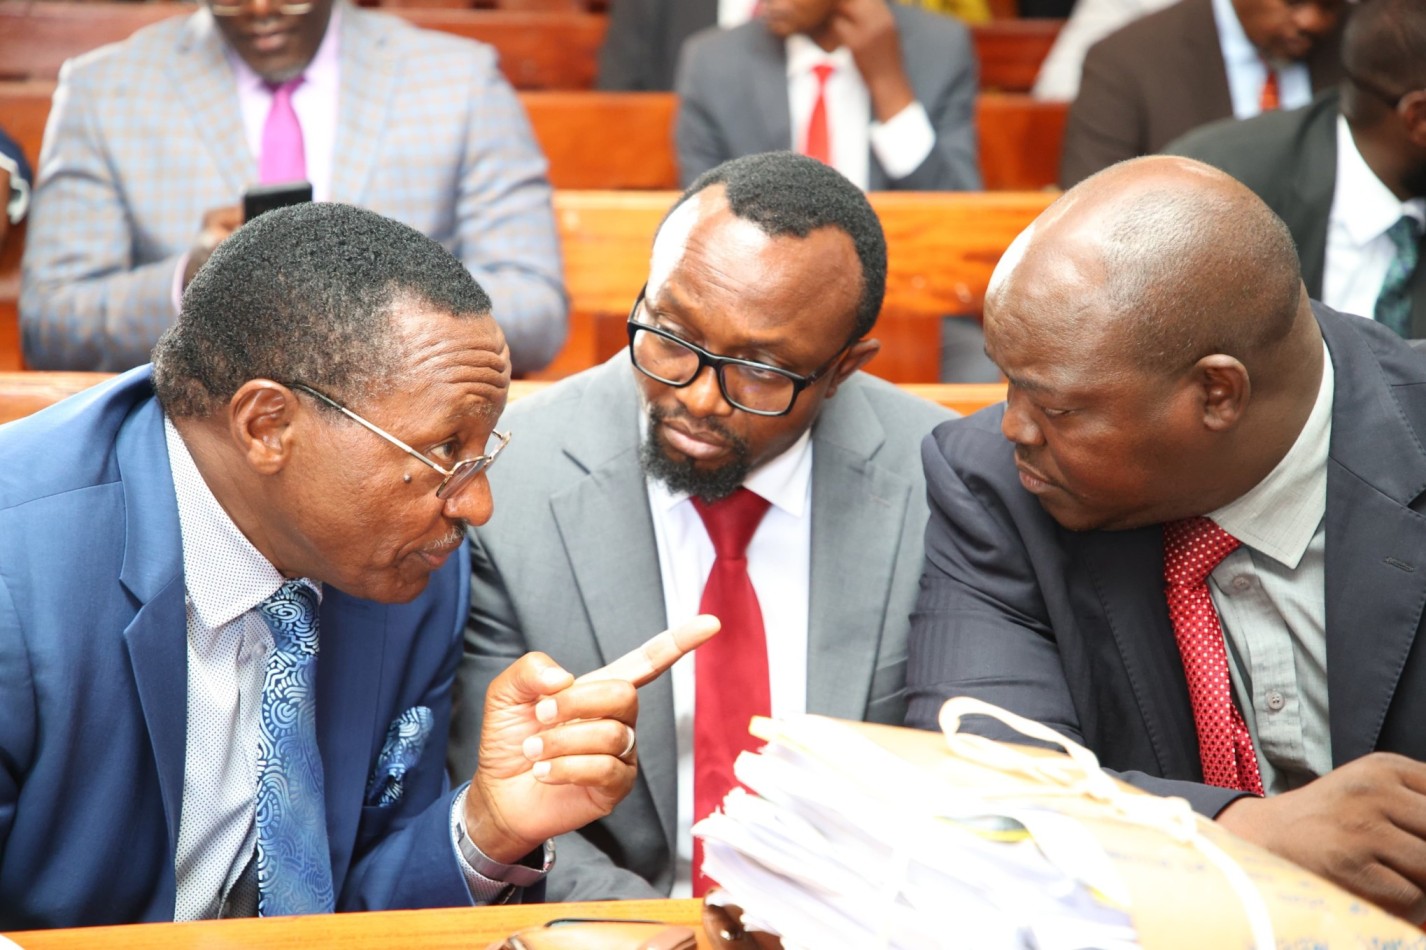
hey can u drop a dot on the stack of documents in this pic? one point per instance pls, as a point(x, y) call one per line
point(854, 835)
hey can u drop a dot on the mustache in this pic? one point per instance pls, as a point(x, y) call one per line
point(450, 539)
point(659, 414)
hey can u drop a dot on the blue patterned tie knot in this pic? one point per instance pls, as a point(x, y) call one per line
point(1393, 304)
point(294, 869)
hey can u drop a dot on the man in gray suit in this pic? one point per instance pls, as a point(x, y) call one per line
point(899, 92)
point(151, 143)
point(1192, 538)
point(1348, 173)
point(776, 264)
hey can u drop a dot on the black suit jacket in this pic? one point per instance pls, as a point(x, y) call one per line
point(1154, 80)
point(1289, 159)
point(640, 51)
point(1071, 629)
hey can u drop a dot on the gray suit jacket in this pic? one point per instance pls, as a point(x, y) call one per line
point(641, 45)
point(1153, 80)
point(1071, 629)
point(1289, 159)
point(732, 87)
point(569, 565)
point(146, 135)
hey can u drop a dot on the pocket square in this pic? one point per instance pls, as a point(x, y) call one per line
point(405, 740)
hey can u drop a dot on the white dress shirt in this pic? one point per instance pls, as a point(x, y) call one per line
point(779, 566)
point(733, 13)
point(1271, 597)
point(901, 144)
point(1358, 251)
point(1247, 71)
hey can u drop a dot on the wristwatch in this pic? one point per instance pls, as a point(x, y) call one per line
point(520, 875)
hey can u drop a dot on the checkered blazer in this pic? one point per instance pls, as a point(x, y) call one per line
point(146, 135)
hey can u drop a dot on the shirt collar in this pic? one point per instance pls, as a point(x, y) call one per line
point(1279, 516)
point(803, 54)
point(782, 480)
point(321, 71)
point(225, 576)
point(1237, 49)
point(1362, 205)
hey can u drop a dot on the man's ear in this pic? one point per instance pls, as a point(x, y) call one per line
point(1224, 390)
point(1412, 110)
point(857, 356)
point(260, 420)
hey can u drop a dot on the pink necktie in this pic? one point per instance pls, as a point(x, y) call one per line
point(284, 158)
point(1193, 547)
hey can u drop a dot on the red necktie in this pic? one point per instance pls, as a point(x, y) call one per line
point(1268, 98)
point(1193, 547)
point(818, 143)
point(284, 157)
point(730, 680)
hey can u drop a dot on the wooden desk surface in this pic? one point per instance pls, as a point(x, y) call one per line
point(466, 928)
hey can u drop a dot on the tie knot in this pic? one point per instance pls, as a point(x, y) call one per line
point(823, 72)
point(291, 613)
point(284, 90)
point(1193, 547)
point(732, 521)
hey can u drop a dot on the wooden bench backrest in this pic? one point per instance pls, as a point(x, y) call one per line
point(24, 393)
point(552, 47)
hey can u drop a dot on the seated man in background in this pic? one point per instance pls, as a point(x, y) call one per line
point(14, 185)
point(641, 47)
point(739, 465)
point(151, 143)
point(1192, 537)
point(176, 546)
point(1192, 63)
point(1347, 174)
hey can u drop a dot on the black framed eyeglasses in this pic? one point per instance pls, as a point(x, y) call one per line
point(457, 477)
point(753, 387)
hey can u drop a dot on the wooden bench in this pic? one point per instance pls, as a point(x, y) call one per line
point(553, 45)
point(24, 393)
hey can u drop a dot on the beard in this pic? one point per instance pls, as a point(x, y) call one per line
point(684, 476)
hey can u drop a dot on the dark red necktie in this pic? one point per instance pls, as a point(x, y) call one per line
point(731, 678)
point(1268, 99)
point(818, 143)
point(1193, 547)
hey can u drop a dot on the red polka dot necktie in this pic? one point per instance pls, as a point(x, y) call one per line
point(730, 680)
point(818, 143)
point(1193, 547)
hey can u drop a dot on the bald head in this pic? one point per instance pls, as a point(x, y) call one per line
point(1167, 258)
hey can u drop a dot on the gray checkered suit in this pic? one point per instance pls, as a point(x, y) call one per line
point(146, 135)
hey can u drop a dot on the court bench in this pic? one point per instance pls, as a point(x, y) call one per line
point(27, 392)
point(554, 47)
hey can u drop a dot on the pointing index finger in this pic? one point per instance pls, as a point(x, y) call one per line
point(646, 662)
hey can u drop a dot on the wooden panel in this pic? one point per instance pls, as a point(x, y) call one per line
point(543, 44)
point(1020, 140)
point(606, 140)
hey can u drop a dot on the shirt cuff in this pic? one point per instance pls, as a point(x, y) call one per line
point(493, 889)
point(902, 142)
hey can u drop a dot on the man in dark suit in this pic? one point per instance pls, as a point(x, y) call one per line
point(1348, 173)
point(598, 498)
point(1177, 403)
point(1191, 63)
point(899, 93)
point(231, 604)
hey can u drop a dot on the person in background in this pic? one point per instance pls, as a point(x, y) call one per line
point(1193, 62)
point(1348, 173)
point(734, 461)
point(152, 142)
point(1191, 539)
point(1089, 22)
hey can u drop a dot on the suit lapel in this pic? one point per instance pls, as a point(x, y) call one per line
point(199, 73)
point(856, 506)
point(607, 532)
point(1376, 546)
point(765, 71)
point(1201, 55)
point(152, 571)
point(368, 82)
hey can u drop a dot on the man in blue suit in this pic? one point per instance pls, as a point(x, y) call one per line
point(165, 539)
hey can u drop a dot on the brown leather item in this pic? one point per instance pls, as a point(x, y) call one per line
point(580, 934)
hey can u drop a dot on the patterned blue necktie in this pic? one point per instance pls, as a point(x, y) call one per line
point(294, 869)
point(1393, 304)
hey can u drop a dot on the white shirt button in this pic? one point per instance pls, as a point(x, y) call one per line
point(1275, 700)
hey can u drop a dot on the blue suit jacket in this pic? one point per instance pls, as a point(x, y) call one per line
point(93, 696)
point(1071, 628)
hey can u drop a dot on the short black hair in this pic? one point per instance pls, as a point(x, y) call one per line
point(1384, 45)
point(305, 294)
point(787, 193)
